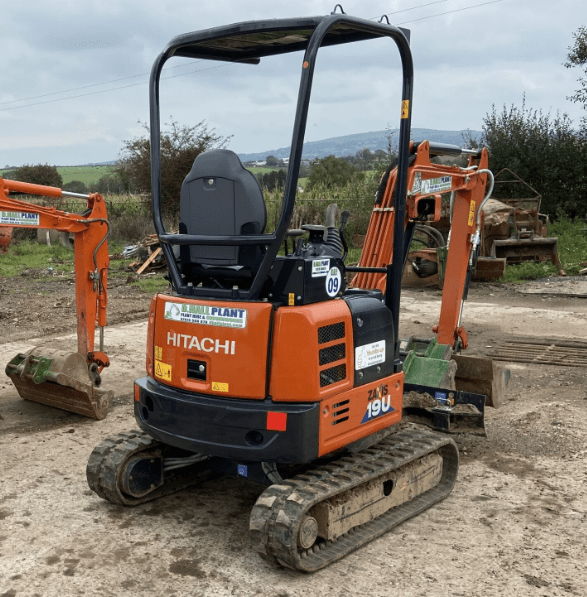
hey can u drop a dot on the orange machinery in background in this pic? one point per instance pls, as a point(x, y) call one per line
point(426, 183)
point(67, 380)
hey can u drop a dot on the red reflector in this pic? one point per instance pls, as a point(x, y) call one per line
point(276, 421)
point(137, 393)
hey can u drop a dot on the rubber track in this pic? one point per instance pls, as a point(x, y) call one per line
point(108, 458)
point(279, 511)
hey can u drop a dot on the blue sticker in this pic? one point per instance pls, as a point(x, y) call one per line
point(441, 398)
point(242, 470)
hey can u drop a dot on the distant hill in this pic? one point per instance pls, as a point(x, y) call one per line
point(350, 144)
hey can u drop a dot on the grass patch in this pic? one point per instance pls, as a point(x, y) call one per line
point(152, 284)
point(28, 255)
point(87, 174)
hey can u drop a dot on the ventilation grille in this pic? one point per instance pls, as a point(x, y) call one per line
point(339, 412)
point(332, 353)
point(328, 333)
point(332, 375)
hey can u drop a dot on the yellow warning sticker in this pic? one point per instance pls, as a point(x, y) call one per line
point(163, 371)
point(158, 352)
point(471, 213)
point(219, 387)
point(291, 299)
point(405, 108)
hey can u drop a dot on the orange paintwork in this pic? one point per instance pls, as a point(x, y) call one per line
point(469, 188)
point(336, 432)
point(235, 357)
point(150, 337)
point(91, 262)
point(295, 368)
point(295, 363)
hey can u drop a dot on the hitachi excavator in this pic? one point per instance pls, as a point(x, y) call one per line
point(66, 379)
point(268, 367)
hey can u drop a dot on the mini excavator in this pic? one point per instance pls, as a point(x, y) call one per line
point(65, 379)
point(268, 367)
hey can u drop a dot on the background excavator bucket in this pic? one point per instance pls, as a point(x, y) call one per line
point(482, 376)
point(60, 379)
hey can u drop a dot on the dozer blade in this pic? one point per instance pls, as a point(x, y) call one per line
point(449, 411)
point(60, 379)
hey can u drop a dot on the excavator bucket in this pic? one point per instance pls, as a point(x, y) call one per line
point(5, 238)
point(482, 376)
point(60, 379)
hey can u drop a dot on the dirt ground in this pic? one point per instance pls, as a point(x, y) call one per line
point(515, 524)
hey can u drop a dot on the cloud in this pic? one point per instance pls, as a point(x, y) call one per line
point(464, 62)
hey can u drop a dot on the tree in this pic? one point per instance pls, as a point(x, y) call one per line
point(180, 145)
point(544, 151)
point(39, 174)
point(578, 57)
point(273, 180)
point(271, 160)
point(75, 186)
point(109, 183)
point(332, 172)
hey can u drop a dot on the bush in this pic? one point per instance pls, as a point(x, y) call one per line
point(544, 151)
point(110, 183)
point(180, 145)
point(39, 174)
point(76, 186)
point(331, 172)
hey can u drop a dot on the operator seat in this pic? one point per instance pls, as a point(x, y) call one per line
point(220, 197)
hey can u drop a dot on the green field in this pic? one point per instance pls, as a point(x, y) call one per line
point(86, 174)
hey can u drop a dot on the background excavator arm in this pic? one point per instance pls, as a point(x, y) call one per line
point(426, 183)
point(73, 377)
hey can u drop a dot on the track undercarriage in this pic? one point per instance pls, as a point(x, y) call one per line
point(311, 519)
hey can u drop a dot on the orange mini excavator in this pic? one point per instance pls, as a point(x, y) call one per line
point(59, 378)
point(266, 366)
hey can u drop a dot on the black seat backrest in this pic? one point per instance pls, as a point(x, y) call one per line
point(221, 197)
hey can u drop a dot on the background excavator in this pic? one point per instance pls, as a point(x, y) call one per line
point(66, 379)
point(268, 367)
point(427, 182)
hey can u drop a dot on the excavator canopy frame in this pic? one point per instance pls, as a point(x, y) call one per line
point(248, 42)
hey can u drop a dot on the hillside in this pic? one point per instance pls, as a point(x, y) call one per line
point(350, 144)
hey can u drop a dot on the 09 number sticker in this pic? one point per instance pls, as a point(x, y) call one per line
point(333, 282)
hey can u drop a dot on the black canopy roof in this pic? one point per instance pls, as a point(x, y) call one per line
point(250, 41)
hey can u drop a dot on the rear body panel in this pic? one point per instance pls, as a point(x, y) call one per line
point(250, 381)
point(228, 339)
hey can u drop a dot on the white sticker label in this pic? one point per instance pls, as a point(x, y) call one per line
point(417, 183)
point(320, 267)
point(19, 217)
point(333, 282)
point(206, 314)
point(436, 185)
point(369, 354)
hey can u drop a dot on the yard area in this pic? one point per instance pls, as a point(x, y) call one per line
point(514, 524)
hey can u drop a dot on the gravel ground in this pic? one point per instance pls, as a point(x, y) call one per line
point(515, 524)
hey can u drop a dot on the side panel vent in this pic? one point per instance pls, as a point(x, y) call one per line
point(332, 375)
point(328, 333)
point(332, 353)
point(339, 412)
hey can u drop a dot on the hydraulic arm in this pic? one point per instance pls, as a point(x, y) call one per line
point(70, 380)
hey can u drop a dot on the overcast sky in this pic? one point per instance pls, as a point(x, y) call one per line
point(74, 72)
